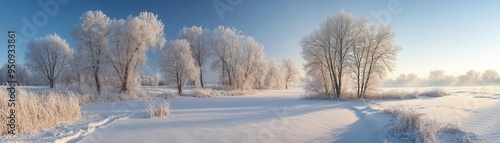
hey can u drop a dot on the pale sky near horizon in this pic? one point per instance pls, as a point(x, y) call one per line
point(454, 36)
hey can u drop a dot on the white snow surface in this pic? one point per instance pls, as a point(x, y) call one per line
point(274, 116)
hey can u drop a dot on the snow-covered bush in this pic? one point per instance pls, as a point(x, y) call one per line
point(158, 110)
point(39, 111)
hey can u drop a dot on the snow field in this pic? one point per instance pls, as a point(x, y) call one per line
point(465, 115)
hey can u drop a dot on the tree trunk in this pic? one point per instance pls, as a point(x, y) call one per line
point(124, 87)
point(97, 83)
point(51, 83)
point(179, 88)
point(179, 84)
point(125, 81)
point(201, 77)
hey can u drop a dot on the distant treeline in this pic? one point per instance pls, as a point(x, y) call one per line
point(439, 78)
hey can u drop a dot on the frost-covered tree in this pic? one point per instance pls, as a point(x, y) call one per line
point(200, 48)
point(151, 80)
point(334, 39)
point(225, 44)
point(318, 78)
point(177, 64)
point(373, 54)
point(129, 41)
point(275, 77)
point(472, 77)
point(291, 72)
point(157, 79)
point(436, 77)
point(21, 76)
point(412, 79)
point(343, 45)
point(261, 75)
point(48, 55)
point(251, 58)
point(92, 43)
point(237, 57)
point(490, 76)
point(75, 69)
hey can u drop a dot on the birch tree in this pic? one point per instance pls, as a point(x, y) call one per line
point(48, 56)
point(177, 64)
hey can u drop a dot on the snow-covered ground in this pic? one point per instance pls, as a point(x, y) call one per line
point(273, 116)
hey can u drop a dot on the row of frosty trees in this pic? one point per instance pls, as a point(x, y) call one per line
point(347, 54)
point(110, 54)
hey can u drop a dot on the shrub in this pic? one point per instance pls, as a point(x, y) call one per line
point(39, 111)
point(158, 110)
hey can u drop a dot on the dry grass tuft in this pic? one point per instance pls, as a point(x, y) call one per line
point(436, 92)
point(238, 92)
point(158, 110)
point(205, 93)
point(411, 126)
point(393, 94)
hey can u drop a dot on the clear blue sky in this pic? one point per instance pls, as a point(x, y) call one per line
point(455, 36)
